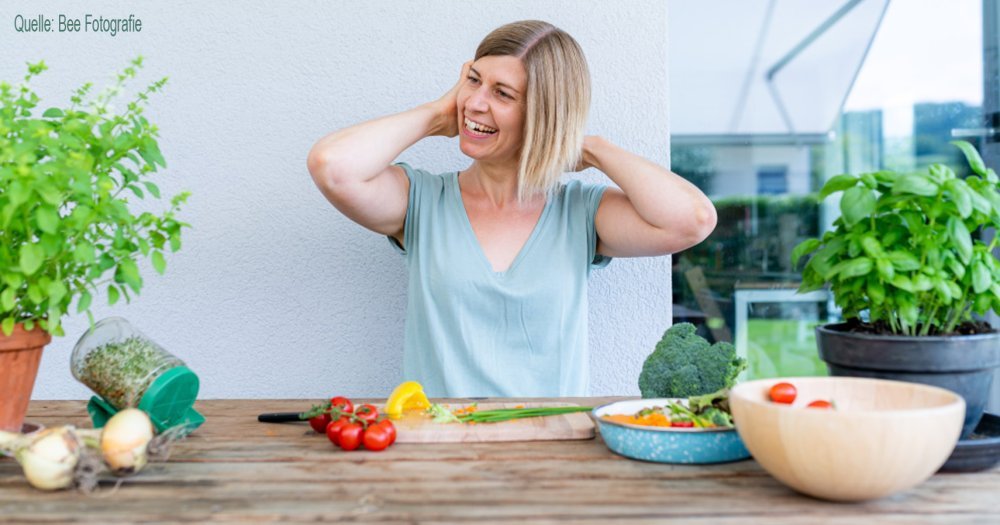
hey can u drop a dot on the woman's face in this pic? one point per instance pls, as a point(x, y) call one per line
point(491, 105)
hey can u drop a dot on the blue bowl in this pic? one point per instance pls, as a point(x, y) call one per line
point(666, 445)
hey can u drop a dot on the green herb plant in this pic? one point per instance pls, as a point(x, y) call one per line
point(66, 177)
point(904, 251)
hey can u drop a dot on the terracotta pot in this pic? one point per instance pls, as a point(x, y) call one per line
point(20, 354)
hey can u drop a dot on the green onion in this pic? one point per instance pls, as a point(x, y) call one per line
point(507, 414)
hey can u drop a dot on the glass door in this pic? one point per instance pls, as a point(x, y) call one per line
point(780, 96)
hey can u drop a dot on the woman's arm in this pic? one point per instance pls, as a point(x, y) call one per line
point(351, 166)
point(656, 212)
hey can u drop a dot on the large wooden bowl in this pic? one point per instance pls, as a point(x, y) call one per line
point(883, 437)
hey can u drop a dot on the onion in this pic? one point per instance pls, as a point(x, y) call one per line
point(124, 440)
point(49, 458)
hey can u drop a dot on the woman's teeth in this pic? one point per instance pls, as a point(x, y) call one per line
point(479, 128)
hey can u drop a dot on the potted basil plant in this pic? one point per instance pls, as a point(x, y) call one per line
point(67, 233)
point(905, 264)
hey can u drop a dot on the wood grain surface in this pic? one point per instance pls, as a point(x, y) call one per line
point(236, 470)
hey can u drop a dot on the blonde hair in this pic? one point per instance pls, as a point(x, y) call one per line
point(558, 99)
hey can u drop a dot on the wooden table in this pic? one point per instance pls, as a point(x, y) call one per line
point(237, 470)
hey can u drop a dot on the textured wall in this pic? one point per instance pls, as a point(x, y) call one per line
point(275, 294)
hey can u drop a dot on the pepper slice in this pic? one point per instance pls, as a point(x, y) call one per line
point(405, 397)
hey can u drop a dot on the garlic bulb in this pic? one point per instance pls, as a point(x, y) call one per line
point(124, 440)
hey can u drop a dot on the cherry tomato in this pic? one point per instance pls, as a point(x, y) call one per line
point(367, 413)
point(377, 437)
point(351, 435)
point(319, 422)
point(389, 428)
point(334, 428)
point(783, 393)
point(820, 403)
point(682, 424)
point(342, 402)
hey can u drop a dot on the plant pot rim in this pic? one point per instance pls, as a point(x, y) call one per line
point(833, 328)
point(21, 339)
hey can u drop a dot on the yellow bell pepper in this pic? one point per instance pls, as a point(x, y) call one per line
point(405, 397)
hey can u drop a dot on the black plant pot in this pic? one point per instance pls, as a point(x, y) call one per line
point(963, 364)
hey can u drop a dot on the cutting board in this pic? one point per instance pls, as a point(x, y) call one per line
point(416, 428)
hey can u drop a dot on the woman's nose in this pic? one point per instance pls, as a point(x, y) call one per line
point(477, 101)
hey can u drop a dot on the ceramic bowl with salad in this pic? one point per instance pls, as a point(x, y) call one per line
point(668, 430)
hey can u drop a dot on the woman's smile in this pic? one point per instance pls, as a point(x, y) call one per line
point(478, 130)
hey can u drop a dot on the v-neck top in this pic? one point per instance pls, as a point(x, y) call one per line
point(471, 331)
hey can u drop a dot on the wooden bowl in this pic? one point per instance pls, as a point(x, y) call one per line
point(882, 437)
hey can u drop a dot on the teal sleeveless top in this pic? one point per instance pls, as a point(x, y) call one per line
point(474, 332)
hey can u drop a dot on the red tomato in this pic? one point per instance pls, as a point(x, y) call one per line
point(342, 402)
point(351, 435)
point(390, 429)
point(334, 428)
point(783, 393)
point(377, 437)
point(319, 422)
point(820, 403)
point(367, 413)
point(682, 424)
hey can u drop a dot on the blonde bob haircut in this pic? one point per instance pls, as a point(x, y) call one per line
point(557, 100)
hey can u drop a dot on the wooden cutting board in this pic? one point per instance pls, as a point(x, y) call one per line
point(415, 428)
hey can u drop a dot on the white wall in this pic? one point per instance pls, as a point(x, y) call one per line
point(275, 294)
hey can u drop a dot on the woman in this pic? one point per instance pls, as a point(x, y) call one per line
point(498, 254)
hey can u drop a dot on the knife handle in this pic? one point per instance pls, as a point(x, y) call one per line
point(279, 417)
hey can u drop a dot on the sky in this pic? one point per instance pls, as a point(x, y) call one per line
point(924, 51)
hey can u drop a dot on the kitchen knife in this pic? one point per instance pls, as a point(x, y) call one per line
point(279, 417)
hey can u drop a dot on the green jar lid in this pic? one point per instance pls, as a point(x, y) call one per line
point(169, 402)
point(171, 397)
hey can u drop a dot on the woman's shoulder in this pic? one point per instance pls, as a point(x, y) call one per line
point(577, 190)
point(422, 176)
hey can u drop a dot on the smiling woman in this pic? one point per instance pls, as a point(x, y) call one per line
point(498, 254)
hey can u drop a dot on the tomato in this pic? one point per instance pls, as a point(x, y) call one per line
point(820, 403)
point(367, 413)
point(319, 422)
point(389, 429)
point(343, 403)
point(682, 424)
point(783, 393)
point(334, 428)
point(377, 437)
point(351, 435)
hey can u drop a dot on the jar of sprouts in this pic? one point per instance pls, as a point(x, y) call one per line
point(119, 363)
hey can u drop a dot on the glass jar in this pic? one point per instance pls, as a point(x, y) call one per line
point(118, 362)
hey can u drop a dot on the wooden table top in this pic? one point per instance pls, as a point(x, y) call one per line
point(234, 469)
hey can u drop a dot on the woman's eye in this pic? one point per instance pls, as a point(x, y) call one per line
point(473, 80)
point(504, 95)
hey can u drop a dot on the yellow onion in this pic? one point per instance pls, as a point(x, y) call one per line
point(49, 458)
point(124, 440)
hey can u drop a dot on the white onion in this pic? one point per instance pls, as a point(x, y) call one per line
point(50, 458)
point(124, 440)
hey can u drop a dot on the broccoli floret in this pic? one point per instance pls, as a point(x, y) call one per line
point(717, 417)
point(683, 364)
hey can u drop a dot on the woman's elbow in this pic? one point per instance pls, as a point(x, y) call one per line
point(322, 166)
point(701, 225)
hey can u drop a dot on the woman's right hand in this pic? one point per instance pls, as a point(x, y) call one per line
point(446, 107)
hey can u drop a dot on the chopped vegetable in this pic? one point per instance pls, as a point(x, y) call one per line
point(407, 396)
point(684, 365)
point(442, 414)
point(506, 414)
